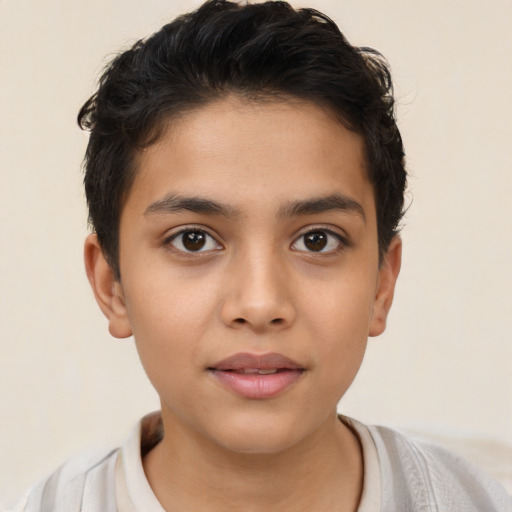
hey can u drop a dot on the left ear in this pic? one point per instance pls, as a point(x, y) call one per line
point(388, 274)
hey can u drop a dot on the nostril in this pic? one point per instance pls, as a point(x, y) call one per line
point(277, 321)
point(240, 320)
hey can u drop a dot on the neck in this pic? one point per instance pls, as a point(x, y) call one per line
point(322, 472)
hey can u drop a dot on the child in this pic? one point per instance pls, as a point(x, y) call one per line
point(245, 181)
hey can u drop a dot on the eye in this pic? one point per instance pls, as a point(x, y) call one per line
point(193, 240)
point(319, 240)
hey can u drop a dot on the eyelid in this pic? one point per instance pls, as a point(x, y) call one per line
point(176, 232)
point(329, 230)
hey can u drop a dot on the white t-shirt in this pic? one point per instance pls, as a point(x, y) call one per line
point(400, 474)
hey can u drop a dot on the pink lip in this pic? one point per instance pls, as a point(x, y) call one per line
point(254, 385)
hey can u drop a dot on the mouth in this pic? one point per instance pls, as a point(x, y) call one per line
point(257, 376)
point(259, 371)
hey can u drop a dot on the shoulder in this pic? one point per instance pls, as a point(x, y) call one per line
point(423, 476)
point(84, 483)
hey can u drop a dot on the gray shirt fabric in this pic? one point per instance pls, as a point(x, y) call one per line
point(400, 474)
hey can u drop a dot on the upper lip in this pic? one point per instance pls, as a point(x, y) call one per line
point(246, 360)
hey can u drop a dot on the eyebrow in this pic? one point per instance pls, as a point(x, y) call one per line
point(173, 203)
point(322, 204)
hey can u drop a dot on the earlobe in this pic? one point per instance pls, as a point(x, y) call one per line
point(388, 274)
point(107, 290)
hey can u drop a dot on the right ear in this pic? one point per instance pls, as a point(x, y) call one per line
point(107, 289)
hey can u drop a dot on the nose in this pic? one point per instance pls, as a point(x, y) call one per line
point(258, 294)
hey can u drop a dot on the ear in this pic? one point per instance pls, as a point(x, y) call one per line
point(107, 290)
point(388, 274)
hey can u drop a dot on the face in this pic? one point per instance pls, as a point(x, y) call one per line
point(249, 270)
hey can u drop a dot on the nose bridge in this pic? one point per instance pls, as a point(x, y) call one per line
point(258, 294)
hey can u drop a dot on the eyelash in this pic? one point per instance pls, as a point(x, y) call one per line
point(191, 229)
point(342, 242)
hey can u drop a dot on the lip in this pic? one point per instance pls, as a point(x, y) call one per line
point(230, 373)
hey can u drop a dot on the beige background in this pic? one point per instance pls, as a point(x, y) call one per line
point(444, 363)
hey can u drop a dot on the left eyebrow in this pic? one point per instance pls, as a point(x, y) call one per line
point(322, 204)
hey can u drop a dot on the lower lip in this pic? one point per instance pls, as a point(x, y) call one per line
point(255, 385)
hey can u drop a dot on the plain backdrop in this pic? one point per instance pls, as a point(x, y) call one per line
point(444, 363)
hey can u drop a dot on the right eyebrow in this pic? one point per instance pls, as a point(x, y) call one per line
point(173, 203)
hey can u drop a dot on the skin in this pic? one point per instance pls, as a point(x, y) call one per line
point(255, 287)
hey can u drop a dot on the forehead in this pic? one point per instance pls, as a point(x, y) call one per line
point(244, 152)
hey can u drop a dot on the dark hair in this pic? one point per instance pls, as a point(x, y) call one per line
point(259, 51)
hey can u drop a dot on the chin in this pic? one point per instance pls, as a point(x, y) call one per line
point(258, 434)
point(258, 444)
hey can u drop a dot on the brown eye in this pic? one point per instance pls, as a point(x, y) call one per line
point(193, 240)
point(315, 241)
point(320, 240)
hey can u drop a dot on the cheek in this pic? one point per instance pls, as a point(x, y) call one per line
point(169, 318)
point(341, 307)
point(341, 348)
point(169, 300)
point(339, 318)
